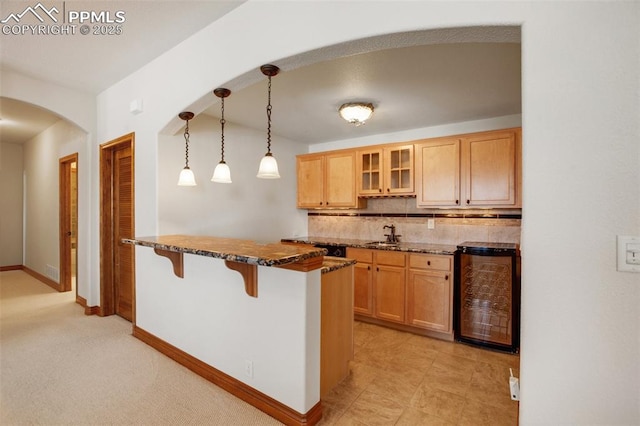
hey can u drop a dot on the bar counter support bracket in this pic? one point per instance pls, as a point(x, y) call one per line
point(249, 274)
point(176, 259)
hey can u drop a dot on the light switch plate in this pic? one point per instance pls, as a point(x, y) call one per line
point(431, 223)
point(628, 253)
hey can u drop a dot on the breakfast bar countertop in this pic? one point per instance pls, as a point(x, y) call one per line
point(355, 243)
point(232, 249)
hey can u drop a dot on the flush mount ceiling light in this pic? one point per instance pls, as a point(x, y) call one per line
point(222, 173)
point(268, 165)
point(356, 112)
point(186, 175)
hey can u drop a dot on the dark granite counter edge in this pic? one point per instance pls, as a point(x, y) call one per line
point(331, 264)
point(251, 260)
point(404, 247)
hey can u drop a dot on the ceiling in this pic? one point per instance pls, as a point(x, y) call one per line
point(420, 85)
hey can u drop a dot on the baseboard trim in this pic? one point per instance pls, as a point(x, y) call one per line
point(243, 391)
point(88, 310)
point(11, 268)
point(54, 285)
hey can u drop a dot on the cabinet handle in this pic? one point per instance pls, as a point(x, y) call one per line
point(379, 189)
point(320, 202)
point(377, 269)
point(457, 202)
point(327, 203)
point(368, 268)
point(428, 262)
point(468, 201)
point(388, 190)
point(446, 277)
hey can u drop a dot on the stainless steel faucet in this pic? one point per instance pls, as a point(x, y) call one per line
point(392, 237)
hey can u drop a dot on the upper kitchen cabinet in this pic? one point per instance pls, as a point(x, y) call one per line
point(385, 171)
point(478, 170)
point(327, 181)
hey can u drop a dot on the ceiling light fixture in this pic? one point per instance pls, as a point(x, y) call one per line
point(356, 112)
point(186, 175)
point(268, 165)
point(222, 173)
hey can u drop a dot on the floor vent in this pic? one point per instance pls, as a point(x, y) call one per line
point(52, 272)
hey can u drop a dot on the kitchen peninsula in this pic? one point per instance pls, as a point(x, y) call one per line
point(247, 316)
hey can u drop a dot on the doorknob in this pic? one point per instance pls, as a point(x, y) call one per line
point(68, 233)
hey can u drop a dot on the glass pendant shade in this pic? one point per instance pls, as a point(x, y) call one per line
point(268, 167)
point(356, 113)
point(186, 178)
point(222, 173)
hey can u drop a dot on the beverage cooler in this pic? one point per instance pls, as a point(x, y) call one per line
point(487, 295)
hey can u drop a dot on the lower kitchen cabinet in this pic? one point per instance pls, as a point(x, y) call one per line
point(409, 291)
point(389, 281)
point(362, 283)
point(379, 283)
point(430, 292)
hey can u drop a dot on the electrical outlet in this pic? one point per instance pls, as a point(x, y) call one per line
point(514, 387)
point(248, 368)
point(431, 223)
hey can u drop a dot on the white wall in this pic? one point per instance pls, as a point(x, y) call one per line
point(11, 207)
point(258, 209)
point(41, 170)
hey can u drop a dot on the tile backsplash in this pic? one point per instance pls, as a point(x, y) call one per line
point(451, 226)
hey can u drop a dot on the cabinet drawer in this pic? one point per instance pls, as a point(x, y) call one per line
point(360, 255)
point(430, 262)
point(390, 258)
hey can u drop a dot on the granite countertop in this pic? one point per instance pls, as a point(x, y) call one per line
point(237, 250)
point(406, 247)
point(331, 263)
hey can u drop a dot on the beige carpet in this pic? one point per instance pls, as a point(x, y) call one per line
point(60, 367)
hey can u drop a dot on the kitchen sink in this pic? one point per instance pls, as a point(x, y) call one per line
point(381, 244)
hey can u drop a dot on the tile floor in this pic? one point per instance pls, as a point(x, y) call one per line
point(399, 378)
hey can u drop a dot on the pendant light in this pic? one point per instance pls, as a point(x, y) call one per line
point(186, 175)
point(222, 173)
point(268, 165)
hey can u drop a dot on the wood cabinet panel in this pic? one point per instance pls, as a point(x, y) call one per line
point(327, 180)
point(477, 170)
point(489, 162)
point(430, 296)
point(438, 173)
point(363, 289)
point(430, 262)
point(310, 181)
point(389, 285)
point(386, 171)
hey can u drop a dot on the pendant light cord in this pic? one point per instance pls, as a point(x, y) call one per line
point(186, 149)
point(269, 118)
point(222, 121)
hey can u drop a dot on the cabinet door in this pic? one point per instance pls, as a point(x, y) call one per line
point(398, 170)
point(430, 299)
point(363, 289)
point(489, 162)
point(390, 293)
point(340, 174)
point(370, 172)
point(438, 171)
point(310, 181)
